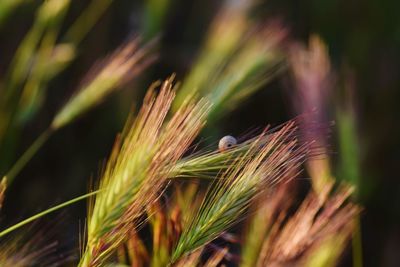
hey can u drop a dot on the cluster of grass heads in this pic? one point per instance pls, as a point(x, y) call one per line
point(195, 204)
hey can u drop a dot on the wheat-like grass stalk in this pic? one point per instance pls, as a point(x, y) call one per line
point(313, 82)
point(47, 61)
point(38, 58)
point(228, 72)
point(20, 66)
point(137, 170)
point(208, 164)
point(126, 62)
point(232, 195)
point(314, 226)
point(230, 25)
point(104, 78)
point(48, 13)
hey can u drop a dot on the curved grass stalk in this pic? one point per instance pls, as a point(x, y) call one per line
point(115, 70)
point(45, 212)
point(87, 20)
point(118, 68)
point(7, 7)
point(20, 66)
point(27, 156)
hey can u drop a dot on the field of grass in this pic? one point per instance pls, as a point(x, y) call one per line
point(179, 133)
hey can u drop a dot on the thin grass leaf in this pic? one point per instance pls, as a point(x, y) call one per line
point(22, 62)
point(45, 212)
point(155, 12)
point(349, 166)
point(7, 7)
point(32, 95)
point(87, 20)
point(46, 16)
point(3, 187)
point(349, 149)
point(62, 55)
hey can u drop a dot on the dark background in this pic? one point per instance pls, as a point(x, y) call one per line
point(362, 35)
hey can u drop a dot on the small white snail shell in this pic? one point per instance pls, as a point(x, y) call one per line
point(226, 143)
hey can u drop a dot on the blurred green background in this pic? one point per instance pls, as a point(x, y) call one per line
point(364, 43)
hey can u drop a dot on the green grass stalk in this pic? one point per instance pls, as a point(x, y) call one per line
point(46, 212)
point(27, 156)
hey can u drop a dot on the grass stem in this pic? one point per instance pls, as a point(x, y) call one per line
point(27, 156)
point(43, 213)
point(357, 243)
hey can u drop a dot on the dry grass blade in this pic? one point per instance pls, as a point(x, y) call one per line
point(233, 194)
point(133, 252)
point(312, 227)
point(33, 247)
point(117, 69)
point(313, 78)
point(166, 228)
point(216, 258)
point(269, 209)
point(191, 260)
point(166, 217)
point(138, 169)
point(21, 257)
